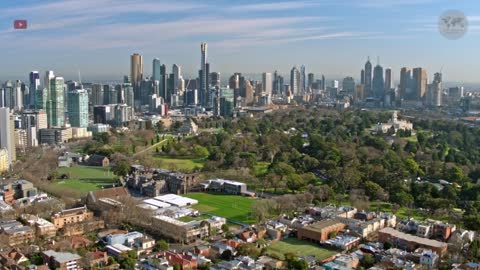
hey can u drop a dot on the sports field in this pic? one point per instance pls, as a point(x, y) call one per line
point(85, 178)
point(182, 164)
point(232, 207)
point(302, 248)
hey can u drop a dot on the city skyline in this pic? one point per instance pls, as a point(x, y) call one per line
point(96, 36)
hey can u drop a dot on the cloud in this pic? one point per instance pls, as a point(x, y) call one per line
point(274, 6)
point(391, 3)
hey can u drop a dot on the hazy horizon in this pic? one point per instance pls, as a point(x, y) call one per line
point(329, 37)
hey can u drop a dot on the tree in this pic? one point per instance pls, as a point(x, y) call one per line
point(374, 191)
point(226, 255)
point(248, 249)
point(295, 182)
point(200, 151)
point(368, 260)
point(225, 228)
point(121, 168)
point(128, 260)
point(161, 245)
point(177, 266)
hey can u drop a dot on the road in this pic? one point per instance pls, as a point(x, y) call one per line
point(151, 147)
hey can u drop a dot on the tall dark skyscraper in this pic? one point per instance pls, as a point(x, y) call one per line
point(362, 77)
point(323, 82)
point(34, 88)
point(311, 79)
point(405, 80)
point(368, 79)
point(156, 70)
point(303, 79)
point(388, 79)
point(203, 73)
point(378, 83)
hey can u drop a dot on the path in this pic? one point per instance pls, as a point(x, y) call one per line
point(150, 147)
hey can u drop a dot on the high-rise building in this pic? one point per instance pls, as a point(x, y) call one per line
point(55, 103)
point(267, 83)
point(17, 96)
point(323, 83)
point(388, 79)
point(234, 81)
point(359, 92)
point(368, 79)
point(177, 75)
point(378, 83)
point(34, 79)
point(97, 94)
point(7, 134)
point(136, 73)
point(311, 79)
point(295, 81)
point(215, 79)
point(303, 79)
point(78, 108)
point(362, 77)
point(434, 91)
point(405, 84)
point(420, 77)
point(203, 73)
point(348, 86)
point(156, 75)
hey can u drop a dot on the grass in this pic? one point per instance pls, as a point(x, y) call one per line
point(183, 164)
point(191, 218)
point(299, 247)
point(232, 207)
point(85, 178)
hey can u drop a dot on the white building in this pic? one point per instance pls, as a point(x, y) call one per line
point(393, 123)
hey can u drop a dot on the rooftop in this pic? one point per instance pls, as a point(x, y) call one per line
point(62, 257)
point(176, 200)
point(319, 226)
point(413, 238)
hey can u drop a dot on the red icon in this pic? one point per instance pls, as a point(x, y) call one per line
point(20, 24)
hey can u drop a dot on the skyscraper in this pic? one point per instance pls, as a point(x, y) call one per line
point(34, 78)
point(311, 79)
point(267, 83)
point(295, 81)
point(78, 108)
point(156, 70)
point(405, 83)
point(203, 73)
point(420, 77)
point(17, 96)
point(362, 77)
point(55, 103)
point(434, 91)
point(177, 75)
point(215, 79)
point(136, 73)
point(368, 79)
point(7, 135)
point(303, 79)
point(97, 94)
point(378, 83)
point(348, 85)
point(388, 79)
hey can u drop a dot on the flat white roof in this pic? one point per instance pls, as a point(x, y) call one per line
point(170, 220)
point(119, 248)
point(157, 203)
point(176, 200)
point(147, 206)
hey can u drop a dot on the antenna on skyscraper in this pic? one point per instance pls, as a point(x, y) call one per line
point(79, 77)
point(378, 60)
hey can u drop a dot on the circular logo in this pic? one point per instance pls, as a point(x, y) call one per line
point(453, 24)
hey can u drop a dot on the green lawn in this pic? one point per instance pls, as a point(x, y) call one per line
point(233, 207)
point(87, 172)
point(299, 247)
point(84, 178)
point(84, 186)
point(183, 164)
point(190, 218)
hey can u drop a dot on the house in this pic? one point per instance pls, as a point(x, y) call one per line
point(42, 226)
point(106, 199)
point(98, 160)
point(97, 259)
point(71, 216)
point(202, 250)
point(342, 262)
point(16, 233)
point(429, 259)
point(12, 257)
point(62, 260)
point(185, 261)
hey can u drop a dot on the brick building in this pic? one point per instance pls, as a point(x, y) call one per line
point(320, 231)
point(410, 242)
point(71, 216)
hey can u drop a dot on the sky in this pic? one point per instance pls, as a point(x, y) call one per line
point(331, 37)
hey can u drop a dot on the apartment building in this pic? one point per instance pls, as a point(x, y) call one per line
point(71, 216)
